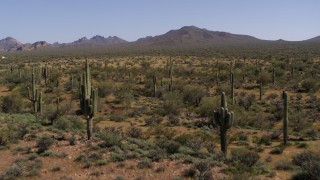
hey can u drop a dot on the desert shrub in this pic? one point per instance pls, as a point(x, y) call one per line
point(204, 170)
point(310, 84)
point(173, 120)
point(33, 169)
point(309, 162)
point(265, 139)
point(172, 103)
point(70, 123)
point(265, 77)
point(183, 139)
point(116, 157)
point(32, 156)
point(277, 150)
point(242, 137)
point(210, 147)
point(195, 144)
point(117, 118)
point(170, 146)
point(44, 142)
point(207, 106)
point(13, 172)
point(193, 94)
point(311, 133)
point(160, 169)
point(246, 101)
point(56, 168)
point(284, 165)
point(3, 138)
point(145, 163)
point(155, 154)
point(72, 140)
point(302, 145)
point(154, 120)
point(134, 132)
point(110, 138)
point(104, 88)
point(272, 96)
point(246, 157)
point(190, 172)
point(12, 103)
point(162, 132)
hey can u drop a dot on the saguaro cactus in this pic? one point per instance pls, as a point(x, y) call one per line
point(273, 77)
point(88, 99)
point(71, 82)
point(40, 103)
point(169, 67)
point(285, 118)
point(224, 119)
point(232, 88)
point(34, 94)
point(170, 84)
point(154, 85)
point(45, 74)
point(217, 78)
point(260, 91)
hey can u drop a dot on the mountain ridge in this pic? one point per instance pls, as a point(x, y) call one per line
point(185, 36)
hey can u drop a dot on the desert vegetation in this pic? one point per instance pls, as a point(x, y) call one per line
point(160, 115)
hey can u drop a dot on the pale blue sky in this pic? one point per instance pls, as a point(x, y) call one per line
point(68, 20)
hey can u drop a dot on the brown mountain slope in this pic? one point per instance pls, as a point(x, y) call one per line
point(9, 44)
point(191, 35)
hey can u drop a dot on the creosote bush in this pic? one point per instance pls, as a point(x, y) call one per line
point(44, 142)
point(246, 157)
point(309, 162)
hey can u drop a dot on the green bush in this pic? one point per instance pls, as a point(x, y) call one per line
point(170, 146)
point(246, 157)
point(12, 103)
point(284, 165)
point(277, 150)
point(172, 103)
point(207, 106)
point(134, 132)
point(309, 162)
point(193, 94)
point(110, 138)
point(104, 88)
point(310, 84)
point(154, 120)
point(146, 163)
point(44, 142)
point(70, 123)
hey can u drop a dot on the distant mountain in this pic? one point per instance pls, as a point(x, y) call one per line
point(191, 35)
point(98, 40)
point(36, 45)
point(187, 36)
point(315, 39)
point(9, 44)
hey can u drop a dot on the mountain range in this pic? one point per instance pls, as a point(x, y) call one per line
point(185, 36)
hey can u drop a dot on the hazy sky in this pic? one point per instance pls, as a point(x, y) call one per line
point(69, 20)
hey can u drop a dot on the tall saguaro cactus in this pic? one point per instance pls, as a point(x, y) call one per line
point(45, 74)
point(285, 118)
point(88, 99)
point(224, 119)
point(34, 96)
point(154, 85)
point(273, 76)
point(260, 91)
point(169, 67)
point(232, 87)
